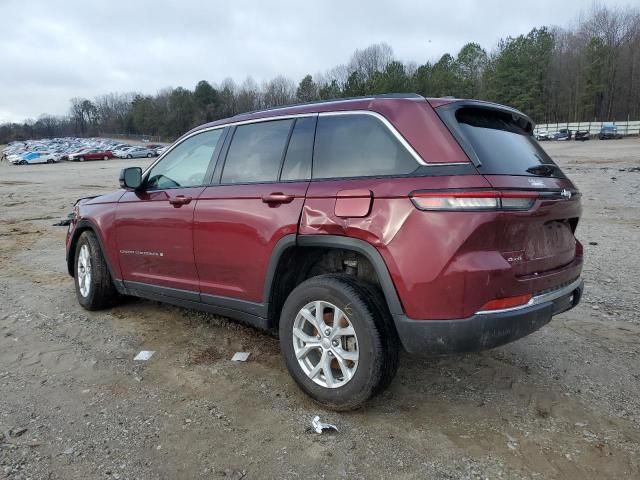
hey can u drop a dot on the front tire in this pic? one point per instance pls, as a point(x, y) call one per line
point(339, 367)
point(81, 159)
point(94, 286)
point(129, 156)
point(149, 155)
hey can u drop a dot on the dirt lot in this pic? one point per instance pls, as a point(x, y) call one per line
point(563, 403)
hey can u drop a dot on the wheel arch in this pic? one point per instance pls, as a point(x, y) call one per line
point(309, 249)
point(82, 226)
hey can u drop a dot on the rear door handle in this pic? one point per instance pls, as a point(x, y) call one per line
point(180, 200)
point(277, 197)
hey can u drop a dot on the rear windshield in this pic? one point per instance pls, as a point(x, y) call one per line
point(503, 143)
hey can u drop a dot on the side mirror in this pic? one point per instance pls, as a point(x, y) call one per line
point(131, 178)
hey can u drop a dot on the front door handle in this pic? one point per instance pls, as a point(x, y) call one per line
point(277, 197)
point(180, 200)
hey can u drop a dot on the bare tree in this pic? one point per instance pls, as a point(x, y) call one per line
point(249, 96)
point(279, 91)
point(372, 59)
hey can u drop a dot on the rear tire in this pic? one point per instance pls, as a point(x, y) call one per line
point(149, 155)
point(94, 286)
point(81, 159)
point(375, 352)
point(129, 156)
point(389, 334)
point(105, 158)
point(24, 162)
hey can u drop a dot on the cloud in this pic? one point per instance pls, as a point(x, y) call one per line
point(51, 51)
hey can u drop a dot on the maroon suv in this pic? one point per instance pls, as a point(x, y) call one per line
point(351, 227)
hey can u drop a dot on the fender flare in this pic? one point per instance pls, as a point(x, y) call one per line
point(345, 243)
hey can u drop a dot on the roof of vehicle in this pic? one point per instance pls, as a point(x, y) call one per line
point(370, 102)
point(352, 103)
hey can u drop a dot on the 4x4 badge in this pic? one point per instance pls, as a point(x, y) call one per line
point(565, 193)
point(535, 182)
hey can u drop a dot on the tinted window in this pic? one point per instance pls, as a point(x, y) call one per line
point(297, 162)
point(358, 146)
point(504, 144)
point(256, 152)
point(186, 165)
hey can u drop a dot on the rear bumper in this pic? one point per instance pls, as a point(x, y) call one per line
point(485, 330)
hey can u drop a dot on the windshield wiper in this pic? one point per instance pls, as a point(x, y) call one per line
point(545, 169)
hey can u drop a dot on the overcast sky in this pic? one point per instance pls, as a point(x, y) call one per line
point(52, 50)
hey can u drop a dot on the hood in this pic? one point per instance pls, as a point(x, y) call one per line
point(111, 197)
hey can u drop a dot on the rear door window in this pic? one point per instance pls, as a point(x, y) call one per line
point(256, 152)
point(503, 143)
point(358, 145)
point(297, 162)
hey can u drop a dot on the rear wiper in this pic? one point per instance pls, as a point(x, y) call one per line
point(546, 169)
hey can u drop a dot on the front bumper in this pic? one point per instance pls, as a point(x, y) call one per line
point(486, 330)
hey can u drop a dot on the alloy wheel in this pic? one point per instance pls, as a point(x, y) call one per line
point(84, 271)
point(325, 344)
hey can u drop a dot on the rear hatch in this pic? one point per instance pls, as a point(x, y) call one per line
point(500, 143)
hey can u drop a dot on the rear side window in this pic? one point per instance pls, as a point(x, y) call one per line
point(256, 151)
point(297, 162)
point(358, 146)
point(503, 143)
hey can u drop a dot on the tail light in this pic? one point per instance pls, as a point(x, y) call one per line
point(474, 200)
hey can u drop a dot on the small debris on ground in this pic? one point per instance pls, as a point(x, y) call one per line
point(17, 432)
point(240, 356)
point(144, 355)
point(320, 427)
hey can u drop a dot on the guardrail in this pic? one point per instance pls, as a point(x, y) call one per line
point(631, 127)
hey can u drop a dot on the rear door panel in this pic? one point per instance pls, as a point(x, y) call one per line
point(238, 224)
point(235, 233)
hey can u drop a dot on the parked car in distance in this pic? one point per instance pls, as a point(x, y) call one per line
point(543, 135)
point(161, 150)
point(91, 154)
point(120, 146)
point(582, 135)
point(34, 157)
point(609, 131)
point(135, 152)
point(156, 148)
point(434, 225)
point(563, 134)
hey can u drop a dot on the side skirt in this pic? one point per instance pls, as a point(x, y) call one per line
point(249, 313)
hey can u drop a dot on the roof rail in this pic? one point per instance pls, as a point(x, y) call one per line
point(414, 96)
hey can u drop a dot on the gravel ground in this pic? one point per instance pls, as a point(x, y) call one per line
point(562, 403)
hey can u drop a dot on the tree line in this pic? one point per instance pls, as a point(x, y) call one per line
point(589, 72)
